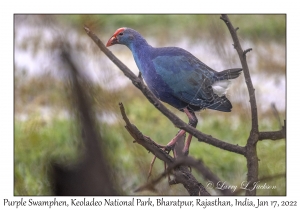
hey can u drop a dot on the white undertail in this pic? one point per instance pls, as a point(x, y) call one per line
point(220, 87)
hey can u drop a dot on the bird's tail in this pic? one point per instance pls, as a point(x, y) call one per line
point(228, 74)
point(220, 104)
point(223, 80)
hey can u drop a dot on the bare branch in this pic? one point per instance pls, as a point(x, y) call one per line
point(246, 71)
point(271, 135)
point(274, 135)
point(191, 162)
point(246, 51)
point(251, 153)
point(202, 169)
point(181, 173)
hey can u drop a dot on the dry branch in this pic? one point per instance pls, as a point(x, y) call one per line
point(202, 169)
point(181, 173)
point(251, 153)
point(255, 135)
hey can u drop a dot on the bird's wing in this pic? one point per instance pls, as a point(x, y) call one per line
point(189, 78)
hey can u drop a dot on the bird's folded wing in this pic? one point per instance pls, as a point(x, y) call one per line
point(187, 78)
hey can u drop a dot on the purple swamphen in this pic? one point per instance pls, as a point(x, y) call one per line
point(178, 78)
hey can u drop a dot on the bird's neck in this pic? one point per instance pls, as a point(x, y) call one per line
point(138, 44)
point(141, 52)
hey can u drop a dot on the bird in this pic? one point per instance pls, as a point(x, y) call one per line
point(178, 78)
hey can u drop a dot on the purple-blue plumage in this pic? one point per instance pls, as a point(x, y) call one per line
point(175, 76)
point(178, 78)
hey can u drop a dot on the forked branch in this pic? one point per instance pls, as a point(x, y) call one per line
point(181, 173)
point(255, 135)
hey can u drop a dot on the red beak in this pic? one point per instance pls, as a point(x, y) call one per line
point(113, 40)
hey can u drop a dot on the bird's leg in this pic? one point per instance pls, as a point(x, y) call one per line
point(193, 122)
point(170, 146)
point(172, 143)
point(151, 166)
point(187, 145)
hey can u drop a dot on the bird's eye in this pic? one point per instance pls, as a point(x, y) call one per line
point(121, 34)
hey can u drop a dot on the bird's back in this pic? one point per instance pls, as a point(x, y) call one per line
point(184, 80)
point(177, 77)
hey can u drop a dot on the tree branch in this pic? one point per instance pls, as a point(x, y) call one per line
point(274, 135)
point(202, 169)
point(242, 56)
point(138, 82)
point(251, 153)
point(271, 135)
point(181, 173)
point(255, 135)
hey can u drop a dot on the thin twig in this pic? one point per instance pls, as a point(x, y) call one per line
point(246, 51)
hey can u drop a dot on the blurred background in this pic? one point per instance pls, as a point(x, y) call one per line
point(45, 127)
